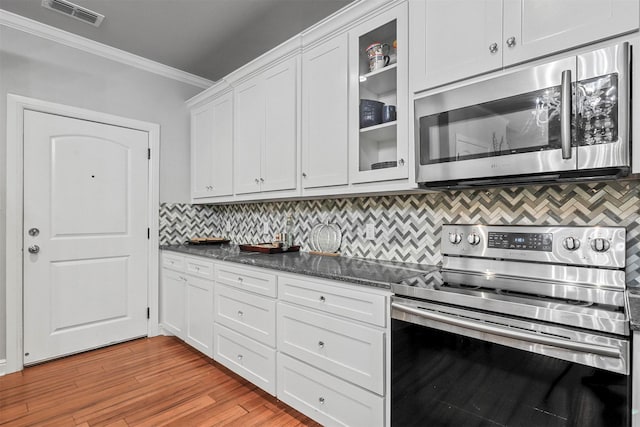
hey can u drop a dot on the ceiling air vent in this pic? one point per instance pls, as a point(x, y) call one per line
point(74, 11)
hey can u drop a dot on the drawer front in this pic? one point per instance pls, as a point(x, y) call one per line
point(199, 267)
point(247, 279)
point(347, 350)
point(351, 303)
point(249, 314)
point(247, 358)
point(325, 398)
point(172, 261)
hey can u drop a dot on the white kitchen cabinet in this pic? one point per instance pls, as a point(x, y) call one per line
point(245, 323)
point(172, 302)
point(333, 350)
point(379, 152)
point(212, 148)
point(325, 111)
point(325, 398)
point(455, 39)
point(534, 28)
point(266, 130)
point(345, 349)
point(186, 295)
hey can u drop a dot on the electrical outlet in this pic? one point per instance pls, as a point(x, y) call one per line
point(265, 227)
point(370, 231)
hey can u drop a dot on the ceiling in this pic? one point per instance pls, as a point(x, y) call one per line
point(208, 38)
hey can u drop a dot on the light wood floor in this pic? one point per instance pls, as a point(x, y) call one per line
point(146, 382)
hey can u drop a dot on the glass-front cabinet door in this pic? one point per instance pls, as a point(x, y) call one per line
point(378, 106)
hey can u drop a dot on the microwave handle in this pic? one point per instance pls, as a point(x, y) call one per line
point(565, 114)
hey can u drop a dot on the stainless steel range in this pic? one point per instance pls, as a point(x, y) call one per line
point(522, 325)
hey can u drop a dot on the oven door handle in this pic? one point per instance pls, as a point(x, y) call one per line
point(509, 333)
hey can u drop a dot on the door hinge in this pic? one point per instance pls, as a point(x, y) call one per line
point(148, 233)
point(149, 153)
point(148, 313)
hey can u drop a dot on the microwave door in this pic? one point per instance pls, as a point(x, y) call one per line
point(602, 109)
point(515, 124)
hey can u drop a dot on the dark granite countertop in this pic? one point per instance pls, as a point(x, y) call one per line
point(359, 271)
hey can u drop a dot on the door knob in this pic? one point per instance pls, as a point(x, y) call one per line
point(511, 41)
point(33, 232)
point(34, 249)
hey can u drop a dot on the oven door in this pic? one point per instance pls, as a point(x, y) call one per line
point(452, 367)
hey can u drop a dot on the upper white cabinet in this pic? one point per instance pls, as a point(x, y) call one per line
point(212, 148)
point(535, 28)
point(378, 138)
point(266, 130)
point(455, 39)
point(325, 131)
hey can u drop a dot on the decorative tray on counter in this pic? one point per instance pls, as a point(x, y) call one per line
point(267, 248)
point(207, 241)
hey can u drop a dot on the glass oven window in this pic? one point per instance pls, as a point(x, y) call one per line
point(518, 124)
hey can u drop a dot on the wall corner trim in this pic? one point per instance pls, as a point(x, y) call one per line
point(17, 22)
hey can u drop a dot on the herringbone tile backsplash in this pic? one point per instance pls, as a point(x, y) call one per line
point(408, 227)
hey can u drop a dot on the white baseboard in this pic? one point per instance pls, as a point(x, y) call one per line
point(3, 367)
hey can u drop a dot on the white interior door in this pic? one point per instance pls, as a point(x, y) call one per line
point(85, 269)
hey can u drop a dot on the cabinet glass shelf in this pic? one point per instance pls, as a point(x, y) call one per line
point(381, 132)
point(380, 81)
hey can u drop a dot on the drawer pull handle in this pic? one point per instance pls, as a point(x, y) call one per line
point(321, 400)
point(240, 279)
point(240, 357)
point(321, 344)
point(322, 299)
point(240, 313)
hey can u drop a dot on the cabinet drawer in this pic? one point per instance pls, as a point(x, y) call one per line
point(246, 357)
point(199, 267)
point(249, 314)
point(172, 261)
point(351, 303)
point(342, 348)
point(325, 398)
point(247, 279)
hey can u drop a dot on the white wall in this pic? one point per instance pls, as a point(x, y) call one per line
point(34, 67)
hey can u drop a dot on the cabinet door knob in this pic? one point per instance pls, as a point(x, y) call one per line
point(239, 357)
point(321, 400)
point(34, 249)
point(304, 175)
point(493, 47)
point(321, 344)
point(257, 181)
point(240, 313)
point(261, 179)
point(401, 162)
point(511, 41)
point(322, 299)
point(240, 279)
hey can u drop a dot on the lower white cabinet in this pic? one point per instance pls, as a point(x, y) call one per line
point(325, 398)
point(350, 351)
point(333, 351)
point(186, 300)
point(245, 323)
point(246, 357)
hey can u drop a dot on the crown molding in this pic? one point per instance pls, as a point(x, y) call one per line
point(12, 20)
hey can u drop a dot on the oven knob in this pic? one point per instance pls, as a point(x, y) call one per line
point(455, 238)
point(571, 243)
point(473, 239)
point(600, 245)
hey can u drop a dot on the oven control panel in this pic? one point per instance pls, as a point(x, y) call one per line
point(570, 245)
point(520, 241)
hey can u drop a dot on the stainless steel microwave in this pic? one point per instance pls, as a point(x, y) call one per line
point(566, 120)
